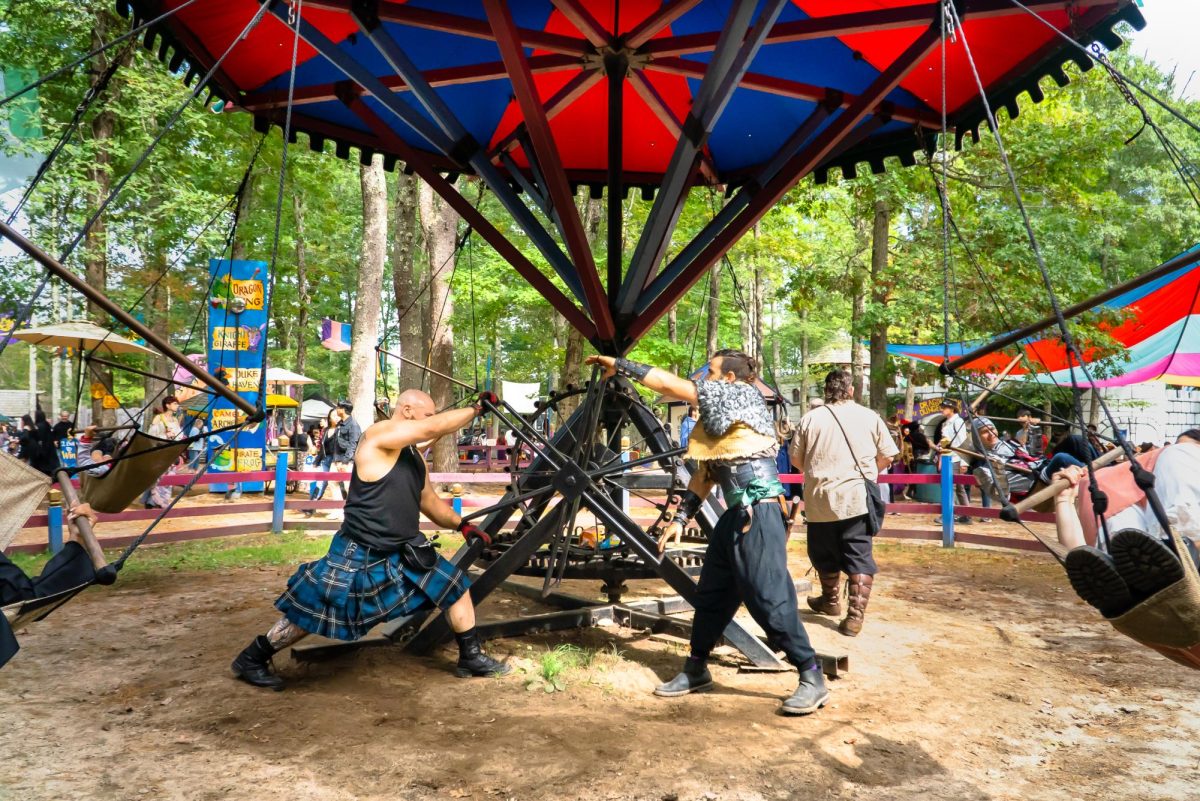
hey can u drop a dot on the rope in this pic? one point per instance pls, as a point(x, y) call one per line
point(1144, 479)
point(295, 10)
point(175, 116)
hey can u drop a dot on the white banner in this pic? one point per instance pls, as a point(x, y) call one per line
point(522, 397)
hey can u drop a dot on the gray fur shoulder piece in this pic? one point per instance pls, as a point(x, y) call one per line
point(723, 404)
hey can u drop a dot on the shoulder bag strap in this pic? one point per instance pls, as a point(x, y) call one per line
point(853, 456)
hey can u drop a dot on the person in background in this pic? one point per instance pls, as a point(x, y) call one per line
point(1029, 436)
point(954, 429)
point(349, 433)
point(839, 448)
point(326, 453)
point(165, 425)
point(63, 428)
point(98, 460)
point(686, 425)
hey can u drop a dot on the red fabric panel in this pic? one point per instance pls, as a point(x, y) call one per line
point(581, 129)
point(997, 46)
point(267, 51)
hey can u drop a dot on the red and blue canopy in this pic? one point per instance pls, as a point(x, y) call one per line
point(1158, 340)
point(536, 97)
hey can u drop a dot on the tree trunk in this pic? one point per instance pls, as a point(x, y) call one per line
point(369, 291)
point(673, 337)
point(756, 304)
point(154, 388)
point(910, 391)
point(440, 224)
point(302, 297)
point(406, 283)
point(858, 309)
point(713, 331)
point(245, 210)
point(879, 333)
point(776, 350)
point(55, 361)
point(804, 359)
point(95, 243)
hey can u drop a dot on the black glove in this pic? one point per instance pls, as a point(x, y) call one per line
point(471, 531)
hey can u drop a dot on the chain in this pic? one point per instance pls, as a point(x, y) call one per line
point(1102, 59)
point(948, 17)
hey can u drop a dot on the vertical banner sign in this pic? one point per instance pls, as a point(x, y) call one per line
point(237, 322)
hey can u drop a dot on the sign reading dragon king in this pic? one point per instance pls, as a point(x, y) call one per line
point(237, 322)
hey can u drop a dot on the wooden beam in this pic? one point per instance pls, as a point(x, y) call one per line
point(557, 187)
point(648, 28)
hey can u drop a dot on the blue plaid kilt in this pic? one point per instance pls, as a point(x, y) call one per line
point(353, 588)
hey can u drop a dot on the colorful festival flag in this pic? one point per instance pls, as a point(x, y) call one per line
point(335, 336)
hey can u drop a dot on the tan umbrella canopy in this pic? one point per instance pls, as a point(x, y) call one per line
point(280, 375)
point(82, 335)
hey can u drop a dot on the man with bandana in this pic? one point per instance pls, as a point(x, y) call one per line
point(734, 445)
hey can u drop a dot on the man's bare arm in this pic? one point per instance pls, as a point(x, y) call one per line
point(436, 509)
point(393, 435)
point(661, 381)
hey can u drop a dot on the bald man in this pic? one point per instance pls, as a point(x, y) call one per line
point(380, 566)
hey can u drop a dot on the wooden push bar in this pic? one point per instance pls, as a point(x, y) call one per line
point(129, 321)
point(1013, 512)
point(105, 574)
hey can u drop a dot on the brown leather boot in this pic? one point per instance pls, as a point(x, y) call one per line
point(859, 587)
point(828, 602)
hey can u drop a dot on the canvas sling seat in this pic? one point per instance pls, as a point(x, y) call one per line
point(139, 468)
point(1169, 620)
point(22, 489)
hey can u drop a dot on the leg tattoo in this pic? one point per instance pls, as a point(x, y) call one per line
point(285, 633)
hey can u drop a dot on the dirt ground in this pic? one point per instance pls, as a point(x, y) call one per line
point(978, 676)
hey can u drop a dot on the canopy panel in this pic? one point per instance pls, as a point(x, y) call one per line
point(799, 67)
point(1158, 331)
point(536, 97)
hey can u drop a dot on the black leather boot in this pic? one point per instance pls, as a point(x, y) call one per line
point(693, 678)
point(472, 661)
point(810, 695)
point(253, 665)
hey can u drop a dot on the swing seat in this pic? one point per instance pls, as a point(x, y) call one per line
point(1168, 621)
point(22, 489)
point(24, 612)
point(130, 477)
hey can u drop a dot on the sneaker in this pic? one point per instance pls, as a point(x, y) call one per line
point(963, 519)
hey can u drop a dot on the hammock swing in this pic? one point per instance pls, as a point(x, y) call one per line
point(1168, 621)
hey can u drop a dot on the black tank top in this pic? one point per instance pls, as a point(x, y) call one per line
point(385, 514)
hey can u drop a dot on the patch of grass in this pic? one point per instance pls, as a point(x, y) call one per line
point(555, 665)
point(258, 550)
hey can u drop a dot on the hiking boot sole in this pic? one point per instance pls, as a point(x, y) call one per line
point(463, 673)
point(1147, 564)
point(1095, 579)
point(807, 710)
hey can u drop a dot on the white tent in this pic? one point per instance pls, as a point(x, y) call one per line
point(313, 409)
point(522, 397)
point(280, 375)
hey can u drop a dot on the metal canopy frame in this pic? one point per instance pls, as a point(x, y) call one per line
point(616, 310)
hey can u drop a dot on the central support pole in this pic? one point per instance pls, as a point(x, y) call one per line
point(616, 67)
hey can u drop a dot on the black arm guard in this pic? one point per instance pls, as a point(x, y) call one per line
point(634, 370)
point(689, 504)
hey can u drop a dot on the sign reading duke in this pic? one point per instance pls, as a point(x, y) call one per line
point(237, 323)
